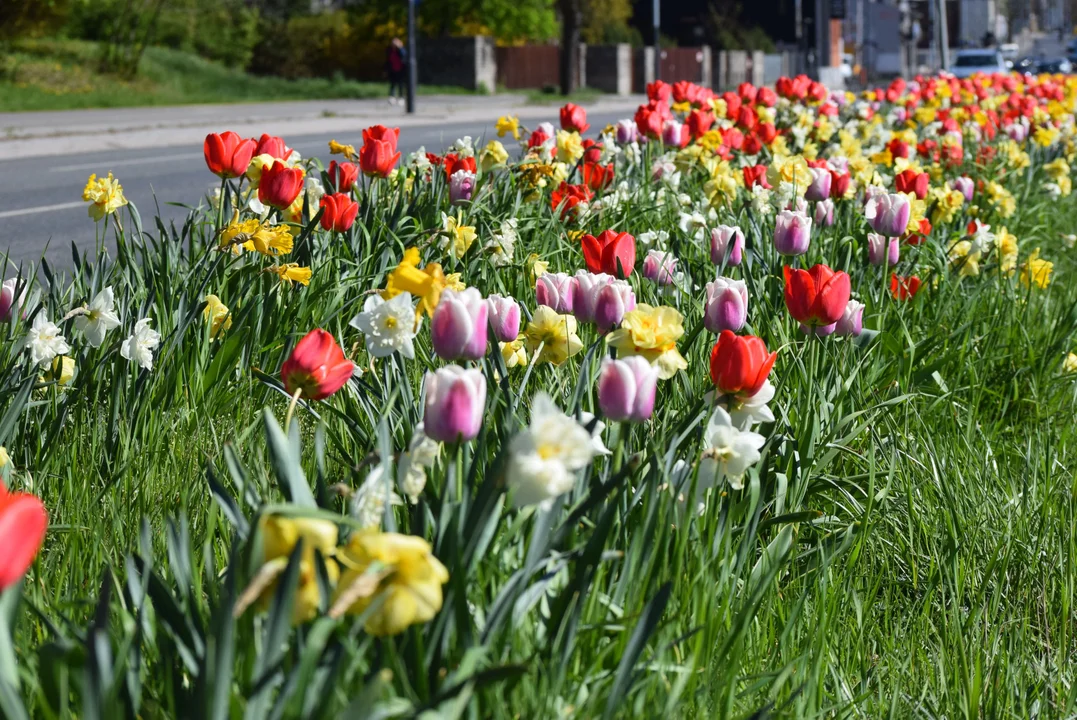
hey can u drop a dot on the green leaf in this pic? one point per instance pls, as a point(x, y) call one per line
point(648, 622)
point(284, 459)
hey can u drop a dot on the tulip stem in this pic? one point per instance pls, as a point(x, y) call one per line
point(220, 206)
point(291, 408)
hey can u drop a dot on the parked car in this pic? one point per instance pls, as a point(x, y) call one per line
point(1009, 53)
point(1055, 66)
point(981, 60)
point(1029, 64)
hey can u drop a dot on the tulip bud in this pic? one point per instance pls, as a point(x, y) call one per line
point(740, 365)
point(674, 134)
point(9, 304)
point(627, 132)
point(342, 176)
point(965, 186)
point(726, 306)
point(626, 389)
point(461, 185)
point(852, 320)
point(504, 315)
point(227, 154)
point(338, 212)
point(585, 287)
point(882, 249)
point(280, 185)
point(455, 402)
point(819, 189)
point(611, 304)
point(888, 213)
point(554, 290)
point(458, 328)
point(792, 232)
point(659, 267)
point(727, 245)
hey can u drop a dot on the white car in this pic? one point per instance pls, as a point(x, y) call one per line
point(982, 60)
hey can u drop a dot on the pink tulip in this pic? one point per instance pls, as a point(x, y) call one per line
point(674, 134)
point(611, 304)
point(585, 289)
point(726, 306)
point(824, 213)
point(659, 267)
point(504, 315)
point(461, 185)
point(966, 187)
point(792, 232)
point(626, 389)
point(852, 320)
point(554, 290)
point(627, 131)
point(455, 402)
point(819, 189)
point(9, 304)
point(888, 213)
point(459, 326)
point(727, 245)
point(882, 249)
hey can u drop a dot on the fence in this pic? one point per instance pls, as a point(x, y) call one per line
point(532, 66)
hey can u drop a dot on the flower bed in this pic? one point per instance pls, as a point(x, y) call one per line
point(560, 423)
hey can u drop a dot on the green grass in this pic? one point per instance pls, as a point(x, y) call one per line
point(62, 75)
point(552, 96)
point(906, 547)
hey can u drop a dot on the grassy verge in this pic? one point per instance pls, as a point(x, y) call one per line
point(62, 75)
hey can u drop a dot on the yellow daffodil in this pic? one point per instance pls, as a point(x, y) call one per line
point(1057, 169)
point(513, 353)
point(404, 575)
point(5, 459)
point(458, 237)
point(424, 284)
point(258, 165)
point(536, 267)
point(719, 107)
point(291, 272)
point(652, 332)
point(569, 146)
point(347, 151)
point(279, 538)
point(792, 169)
point(964, 259)
point(493, 155)
point(508, 125)
point(62, 371)
point(1006, 243)
point(105, 196)
point(217, 315)
point(1045, 136)
point(947, 202)
point(1069, 366)
point(1003, 199)
point(555, 333)
point(1035, 271)
point(252, 235)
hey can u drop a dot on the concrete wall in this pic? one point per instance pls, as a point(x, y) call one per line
point(464, 62)
point(609, 68)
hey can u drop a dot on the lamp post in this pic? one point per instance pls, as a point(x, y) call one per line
point(657, 41)
point(413, 74)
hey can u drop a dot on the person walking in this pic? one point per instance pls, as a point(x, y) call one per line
point(396, 67)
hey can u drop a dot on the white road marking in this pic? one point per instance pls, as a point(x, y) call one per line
point(42, 208)
point(107, 165)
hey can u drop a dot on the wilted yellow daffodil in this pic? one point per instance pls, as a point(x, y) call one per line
point(291, 272)
point(555, 333)
point(508, 125)
point(347, 151)
point(652, 332)
point(398, 573)
point(271, 240)
point(279, 538)
point(217, 315)
point(105, 196)
point(1036, 272)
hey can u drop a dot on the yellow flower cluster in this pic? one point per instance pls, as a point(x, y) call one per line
point(105, 196)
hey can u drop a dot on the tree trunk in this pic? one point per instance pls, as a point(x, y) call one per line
point(570, 45)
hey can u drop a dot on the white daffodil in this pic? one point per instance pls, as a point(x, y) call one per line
point(728, 453)
point(503, 243)
point(754, 410)
point(45, 340)
point(418, 161)
point(389, 325)
point(315, 190)
point(368, 503)
point(98, 317)
point(411, 468)
point(543, 458)
point(139, 347)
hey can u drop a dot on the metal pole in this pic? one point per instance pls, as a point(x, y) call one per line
point(413, 73)
point(657, 41)
point(944, 37)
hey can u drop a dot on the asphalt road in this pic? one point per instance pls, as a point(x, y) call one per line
point(41, 207)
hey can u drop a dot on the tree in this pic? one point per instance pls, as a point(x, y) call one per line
point(29, 18)
point(607, 22)
point(571, 17)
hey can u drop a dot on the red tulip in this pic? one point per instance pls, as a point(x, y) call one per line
point(379, 156)
point(339, 212)
point(766, 97)
point(227, 154)
point(740, 365)
point(612, 252)
point(910, 181)
point(755, 175)
point(650, 119)
point(538, 138)
point(816, 297)
point(22, 530)
point(592, 151)
point(273, 146)
point(574, 117)
point(659, 91)
point(597, 177)
point(342, 176)
point(898, 148)
point(452, 163)
point(699, 122)
point(747, 92)
point(280, 185)
point(317, 366)
point(567, 197)
point(746, 118)
point(839, 184)
point(904, 288)
point(766, 132)
point(732, 104)
point(752, 144)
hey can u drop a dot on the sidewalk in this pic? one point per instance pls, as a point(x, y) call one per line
point(38, 134)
